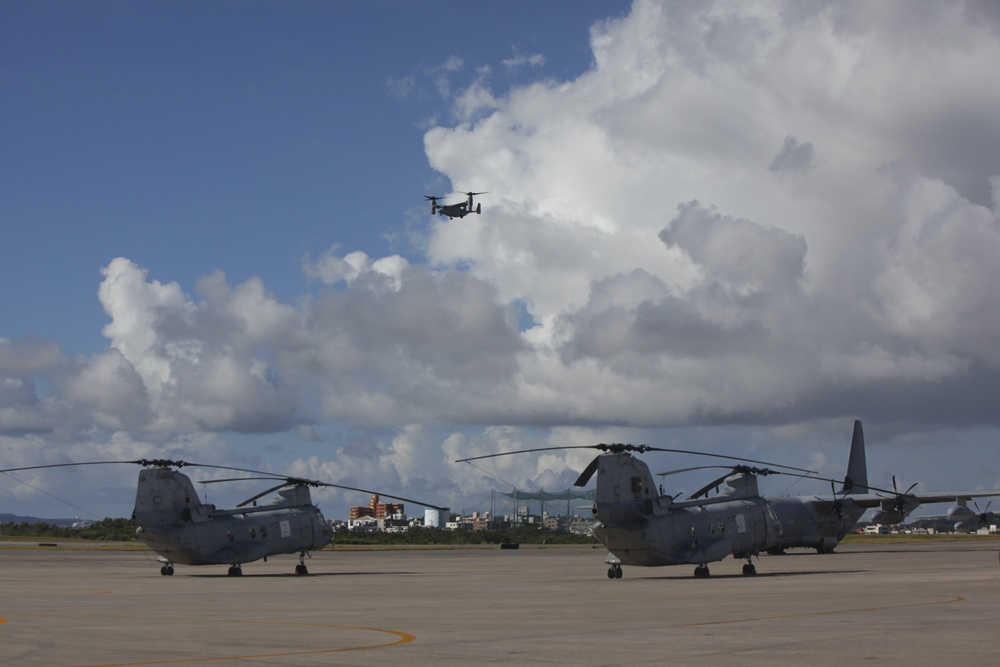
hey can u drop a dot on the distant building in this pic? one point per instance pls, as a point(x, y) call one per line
point(377, 510)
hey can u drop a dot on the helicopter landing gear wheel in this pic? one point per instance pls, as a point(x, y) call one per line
point(615, 572)
point(167, 570)
point(235, 571)
point(749, 570)
point(702, 571)
point(301, 567)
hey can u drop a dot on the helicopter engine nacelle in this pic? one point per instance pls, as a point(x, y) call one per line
point(961, 513)
point(887, 517)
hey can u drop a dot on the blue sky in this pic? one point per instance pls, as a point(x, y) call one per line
point(181, 133)
point(716, 227)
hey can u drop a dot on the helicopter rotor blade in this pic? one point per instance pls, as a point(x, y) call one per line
point(143, 462)
point(588, 472)
point(378, 493)
point(292, 481)
point(616, 448)
point(264, 493)
point(682, 470)
point(708, 487)
point(236, 479)
point(286, 480)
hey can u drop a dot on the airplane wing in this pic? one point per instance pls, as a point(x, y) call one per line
point(875, 500)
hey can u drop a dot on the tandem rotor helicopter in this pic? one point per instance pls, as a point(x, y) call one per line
point(642, 526)
point(459, 210)
point(174, 523)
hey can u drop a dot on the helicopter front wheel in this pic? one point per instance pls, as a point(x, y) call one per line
point(301, 567)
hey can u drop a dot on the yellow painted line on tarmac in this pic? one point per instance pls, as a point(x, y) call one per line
point(860, 610)
point(401, 638)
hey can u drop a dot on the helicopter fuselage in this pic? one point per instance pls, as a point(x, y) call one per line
point(641, 526)
point(229, 539)
point(174, 523)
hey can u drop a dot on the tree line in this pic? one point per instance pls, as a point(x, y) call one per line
point(112, 530)
point(123, 530)
point(420, 536)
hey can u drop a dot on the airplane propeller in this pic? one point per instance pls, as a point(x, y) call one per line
point(900, 499)
point(985, 516)
point(839, 503)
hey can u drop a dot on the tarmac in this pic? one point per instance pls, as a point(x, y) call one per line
point(925, 604)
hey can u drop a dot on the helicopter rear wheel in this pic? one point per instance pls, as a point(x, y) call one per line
point(167, 570)
point(301, 569)
point(749, 569)
point(235, 571)
point(702, 572)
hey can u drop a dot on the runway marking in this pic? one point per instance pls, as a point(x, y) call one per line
point(402, 638)
point(950, 599)
point(2, 621)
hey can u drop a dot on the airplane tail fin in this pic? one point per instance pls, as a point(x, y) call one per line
point(856, 480)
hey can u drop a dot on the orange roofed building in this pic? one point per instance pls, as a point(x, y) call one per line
point(376, 510)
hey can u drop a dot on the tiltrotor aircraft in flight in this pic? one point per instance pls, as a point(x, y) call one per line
point(642, 526)
point(174, 522)
point(459, 210)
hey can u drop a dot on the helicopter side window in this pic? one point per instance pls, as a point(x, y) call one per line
point(637, 485)
point(230, 536)
point(253, 533)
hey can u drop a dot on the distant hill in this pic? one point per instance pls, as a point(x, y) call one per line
point(66, 523)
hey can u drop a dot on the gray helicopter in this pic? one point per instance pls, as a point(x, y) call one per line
point(642, 526)
point(459, 210)
point(175, 524)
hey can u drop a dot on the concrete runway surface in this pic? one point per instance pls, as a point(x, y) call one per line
point(926, 604)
